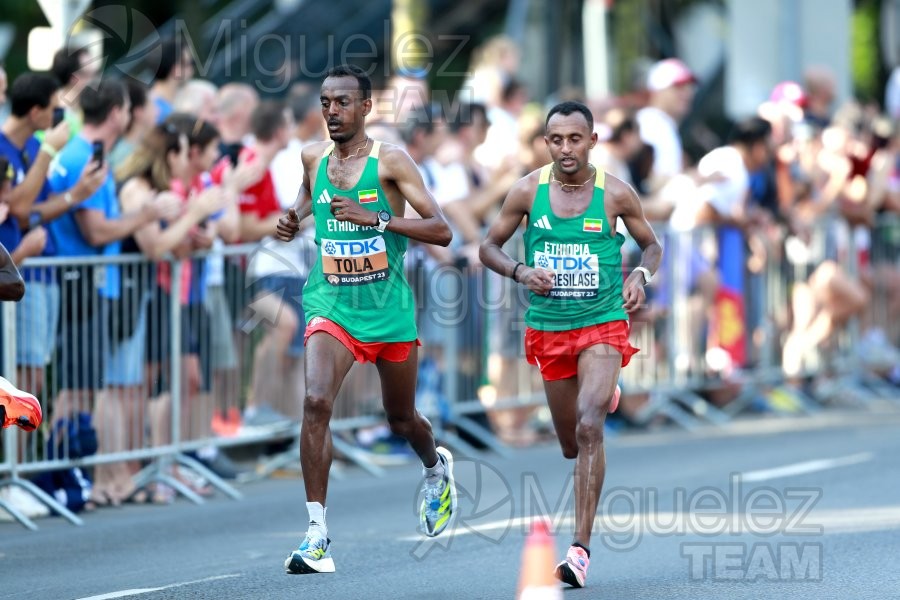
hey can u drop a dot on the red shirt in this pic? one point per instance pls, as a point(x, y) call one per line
point(164, 276)
point(260, 198)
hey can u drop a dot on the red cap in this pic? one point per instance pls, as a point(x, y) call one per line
point(790, 92)
point(668, 73)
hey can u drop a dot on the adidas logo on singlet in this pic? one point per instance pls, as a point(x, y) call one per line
point(324, 198)
point(543, 223)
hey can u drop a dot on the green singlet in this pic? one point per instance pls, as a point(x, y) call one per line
point(586, 259)
point(358, 280)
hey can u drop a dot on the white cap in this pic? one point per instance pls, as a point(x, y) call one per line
point(667, 73)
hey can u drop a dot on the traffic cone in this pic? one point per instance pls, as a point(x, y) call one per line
point(536, 579)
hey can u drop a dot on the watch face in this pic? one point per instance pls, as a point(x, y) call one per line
point(384, 215)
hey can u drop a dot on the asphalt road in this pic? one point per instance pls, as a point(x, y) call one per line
point(806, 508)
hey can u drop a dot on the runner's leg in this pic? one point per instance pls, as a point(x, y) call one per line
point(327, 363)
point(561, 396)
point(598, 373)
point(398, 388)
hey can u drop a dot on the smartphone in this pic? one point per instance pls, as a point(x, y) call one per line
point(233, 152)
point(59, 113)
point(98, 153)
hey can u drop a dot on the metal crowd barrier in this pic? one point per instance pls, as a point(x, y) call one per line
point(151, 380)
point(191, 353)
point(687, 375)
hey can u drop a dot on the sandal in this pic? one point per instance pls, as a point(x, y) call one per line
point(100, 499)
point(139, 496)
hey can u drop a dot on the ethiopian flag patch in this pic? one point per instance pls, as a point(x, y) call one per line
point(366, 196)
point(593, 225)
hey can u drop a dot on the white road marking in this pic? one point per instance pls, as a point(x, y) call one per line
point(810, 466)
point(139, 591)
point(828, 522)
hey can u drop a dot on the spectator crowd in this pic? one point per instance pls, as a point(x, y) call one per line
point(127, 205)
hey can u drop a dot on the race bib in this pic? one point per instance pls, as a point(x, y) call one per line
point(354, 262)
point(577, 275)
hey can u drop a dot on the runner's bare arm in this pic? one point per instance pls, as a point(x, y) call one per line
point(516, 207)
point(432, 228)
point(628, 207)
point(289, 223)
point(632, 214)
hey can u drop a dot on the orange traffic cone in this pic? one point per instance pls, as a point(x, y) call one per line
point(536, 580)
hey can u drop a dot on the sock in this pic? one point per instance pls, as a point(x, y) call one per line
point(434, 474)
point(317, 518)
point(583, 547)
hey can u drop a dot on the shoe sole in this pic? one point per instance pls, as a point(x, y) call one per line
point(566, 574)
point(297, 565)
point(452, 483)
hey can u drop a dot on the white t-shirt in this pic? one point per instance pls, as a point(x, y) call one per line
point(452, 183)
point(287, 172)
point(729, 195)
point(502, 140)
point(274, 257)
point(603, 159)
point(661, 131)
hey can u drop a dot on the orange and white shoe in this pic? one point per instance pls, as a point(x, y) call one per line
point(573, 570)
point(18, 407)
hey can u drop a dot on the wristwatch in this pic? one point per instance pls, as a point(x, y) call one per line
point(648, 276)
point(384, 217)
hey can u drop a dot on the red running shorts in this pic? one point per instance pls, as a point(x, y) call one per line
point(556, 352)
point(361, 351)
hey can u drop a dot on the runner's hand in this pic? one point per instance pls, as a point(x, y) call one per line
point(539, 281)
point(633, 292)
point(288, 226)
point(345, 209)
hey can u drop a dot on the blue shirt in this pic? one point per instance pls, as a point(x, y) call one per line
point(163, 109)
point(65, 230)
point(21, 159)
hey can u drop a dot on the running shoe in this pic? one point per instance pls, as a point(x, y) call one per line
point(18, 407)
point(614, 404)
point(573, 570)
point(313, 556)
point(439, 504)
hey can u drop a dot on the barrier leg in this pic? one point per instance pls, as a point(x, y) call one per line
point(480, 433)
point(214, 480)
point(356, 456)
point(287, 460)
point(661, 405)
point(156, 473)
point(16, 514)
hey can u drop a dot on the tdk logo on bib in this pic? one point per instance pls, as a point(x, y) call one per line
point(354, 262)
point(575, 268)
point(354, 248)
point(567, 263)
